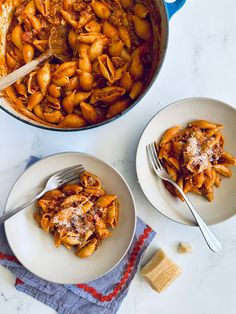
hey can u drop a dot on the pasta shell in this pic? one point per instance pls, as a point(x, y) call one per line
point(44, 77)
point(117, 108)
point(89, 38)
point(32, 83)
point(115, 48)
point(126, 4)
point(84, 61)
point(85, 18)
point(140, 10)
point(34, 21)
point(81, 96)
point(107, 94)
point(88, 249)
point(102, 233)
point(53, 102)
point(88, 112)
point(53, 117)
point(89, 180)
point(169, 135)
point(71, 189)
point(142, 28)
point(28, 52)
point(40, 7)
point(217, 180)
point(198, 180)
point(125, 55)
point(11, 62)
point(30, 8)
point(41, 45)
point(54, 90)
point(60, 80)
point(34, 100)
point(96, 48)
point(119, 72)
point(113, 214)
point(136, 90)
point(101, 10)
point(21, 89)
point(136, 67)
point(93, 27)
point(95, 192)
point(227, 159)
point(125, 36)
point(66, 69)
point(203, 124)
point(47, 6)
point(107, 68)
point(18, 53)
point(72, 85)
point(69, 18)
point(82, 46)
point(105, 200)
point(223, 170)
point(69, 102)
point(67, 4)
point(72, 120)
point(38, 111)
point(109, 30)
point(85, 80)
point(126, 81)
point(16, 36)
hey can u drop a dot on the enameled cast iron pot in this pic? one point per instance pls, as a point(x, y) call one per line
point(161, 12)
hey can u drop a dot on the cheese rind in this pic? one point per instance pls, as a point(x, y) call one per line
point(160, 271)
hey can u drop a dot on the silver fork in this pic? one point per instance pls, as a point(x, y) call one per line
point(213, 243)
point(59, 178)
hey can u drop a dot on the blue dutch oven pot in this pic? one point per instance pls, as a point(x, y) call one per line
point(160, 14)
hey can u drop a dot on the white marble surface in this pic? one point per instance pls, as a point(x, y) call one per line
point(200, 62)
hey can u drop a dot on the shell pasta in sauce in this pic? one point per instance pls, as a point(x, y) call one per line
point(79, 215)
point(111, 50)
point(194, 157)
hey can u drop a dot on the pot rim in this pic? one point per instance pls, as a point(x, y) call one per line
point(33, 123)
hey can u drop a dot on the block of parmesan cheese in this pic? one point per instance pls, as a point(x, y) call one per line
point(160, 271)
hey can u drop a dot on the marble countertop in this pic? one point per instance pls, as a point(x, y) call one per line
point(200, 61)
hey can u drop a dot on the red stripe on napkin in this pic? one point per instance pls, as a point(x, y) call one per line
point(10, 258)
point(127, 272)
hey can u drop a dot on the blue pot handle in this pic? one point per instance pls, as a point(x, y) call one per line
point(173, 7)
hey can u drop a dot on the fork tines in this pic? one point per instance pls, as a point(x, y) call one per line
point(70, 173)
point(152, 156)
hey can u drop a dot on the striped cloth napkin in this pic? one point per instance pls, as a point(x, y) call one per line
point(103, 295)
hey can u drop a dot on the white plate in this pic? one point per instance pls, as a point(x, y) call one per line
point(181, 112)
point(35, 249)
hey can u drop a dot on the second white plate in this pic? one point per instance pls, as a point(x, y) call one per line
point(180, 113)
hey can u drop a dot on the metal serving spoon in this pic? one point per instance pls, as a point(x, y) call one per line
point(58, 47)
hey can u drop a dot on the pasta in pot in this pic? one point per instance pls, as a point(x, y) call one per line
point(78, 215)
point(194, 157)
point(112, 53)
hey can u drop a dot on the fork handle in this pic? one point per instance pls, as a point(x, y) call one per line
point(213, 243)
point(11, 213)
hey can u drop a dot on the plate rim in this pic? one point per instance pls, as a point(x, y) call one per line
point(105, 163)
point(138, 147)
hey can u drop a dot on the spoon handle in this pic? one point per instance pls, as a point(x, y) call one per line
point(22, 71)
